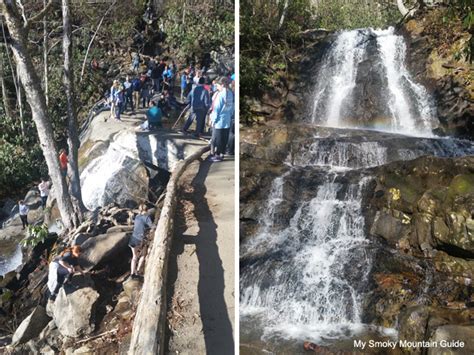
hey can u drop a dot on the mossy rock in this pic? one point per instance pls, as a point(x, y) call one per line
point(461, 185)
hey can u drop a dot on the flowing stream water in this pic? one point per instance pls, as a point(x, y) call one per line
point(306, 279)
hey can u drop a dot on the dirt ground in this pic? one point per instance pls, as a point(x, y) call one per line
point(201, 271)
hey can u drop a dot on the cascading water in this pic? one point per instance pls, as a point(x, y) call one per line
point(305, 273)
point(406, 103)
point(303, 290)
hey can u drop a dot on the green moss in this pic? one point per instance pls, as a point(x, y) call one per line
point(461, 185)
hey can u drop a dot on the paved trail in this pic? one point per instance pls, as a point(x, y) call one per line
point(201, 271)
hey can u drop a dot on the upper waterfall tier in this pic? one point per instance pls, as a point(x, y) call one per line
point(363, 82)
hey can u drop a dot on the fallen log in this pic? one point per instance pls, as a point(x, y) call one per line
point(149, 325)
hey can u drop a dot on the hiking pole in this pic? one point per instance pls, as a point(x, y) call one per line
point(181, 115)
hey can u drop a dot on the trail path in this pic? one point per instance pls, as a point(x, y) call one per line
point(201, 271)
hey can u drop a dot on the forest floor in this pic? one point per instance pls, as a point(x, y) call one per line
point(201, 271)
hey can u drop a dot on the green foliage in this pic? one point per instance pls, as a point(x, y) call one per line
point(265, 40)
point(36, 235)
point(199, 28)
point(19, 166)
point(463, 10)
point(343, 14)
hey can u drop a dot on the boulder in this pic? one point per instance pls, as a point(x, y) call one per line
point(50, 335)
point(388, 227)
point(454, 339)
point(131, 289)
point(74, 308)
point(102, 248)
point(31, 326)
point(115, 177)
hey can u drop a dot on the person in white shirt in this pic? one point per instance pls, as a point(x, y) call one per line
point(43, 188)
point(23, 209)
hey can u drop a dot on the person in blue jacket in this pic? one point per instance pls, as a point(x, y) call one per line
point(154, 116)
point(200, 102)
point(222, 112)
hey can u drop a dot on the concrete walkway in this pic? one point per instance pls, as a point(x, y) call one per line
point(201, 271)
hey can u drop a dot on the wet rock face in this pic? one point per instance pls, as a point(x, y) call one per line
point(445, 72)
point(418, 216)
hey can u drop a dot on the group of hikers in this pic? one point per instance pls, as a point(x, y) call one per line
point(67, 263)
point(201, 96)
point(153, 87)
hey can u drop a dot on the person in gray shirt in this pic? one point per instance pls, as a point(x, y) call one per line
point(142, 222)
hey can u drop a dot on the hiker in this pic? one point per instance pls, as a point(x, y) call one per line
point(221, 116)
point(136, 62)
point(136, 88)
point(142, 221)
point(183, 83)
point(170, 100)
point(115, 100)
point(43, 188)
point(62, 268)
point(155, 78)
point(146, 93)
point(199, 101)
point(23, 210)
point(197, 77)
point(63, 161)
point(128, 85)
point(154, 116)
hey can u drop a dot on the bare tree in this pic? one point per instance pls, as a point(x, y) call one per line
point(36, 99)
point(73, 136)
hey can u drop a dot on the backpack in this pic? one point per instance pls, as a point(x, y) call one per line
point(136, 84)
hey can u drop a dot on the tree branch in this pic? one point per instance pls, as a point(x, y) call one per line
point(39, 15)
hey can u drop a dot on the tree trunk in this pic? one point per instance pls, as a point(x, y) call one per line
point(45, 57)
point(73, 136)
point(37, 102)
point(149, 325)
point(19, 102)
point(283, 14)
point(6, 101)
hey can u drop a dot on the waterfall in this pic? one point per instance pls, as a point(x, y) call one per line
point(303, 288)
point(12, 261)
point(336, 94)
point(336, 78)
point(306, 271)
point(400, 84)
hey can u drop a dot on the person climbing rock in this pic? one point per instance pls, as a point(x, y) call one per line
point(199, 101)
point(154, 116)
point(23, 210)
point(142, 221)
point(62, 268)
point(43, 188)
point(221, 118)
point(63, 161)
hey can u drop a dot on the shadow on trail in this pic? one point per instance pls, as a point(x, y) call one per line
point(217, 327)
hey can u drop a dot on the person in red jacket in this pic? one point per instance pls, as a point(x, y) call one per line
point(63, 161)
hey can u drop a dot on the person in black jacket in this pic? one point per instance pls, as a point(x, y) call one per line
point(200, 103)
